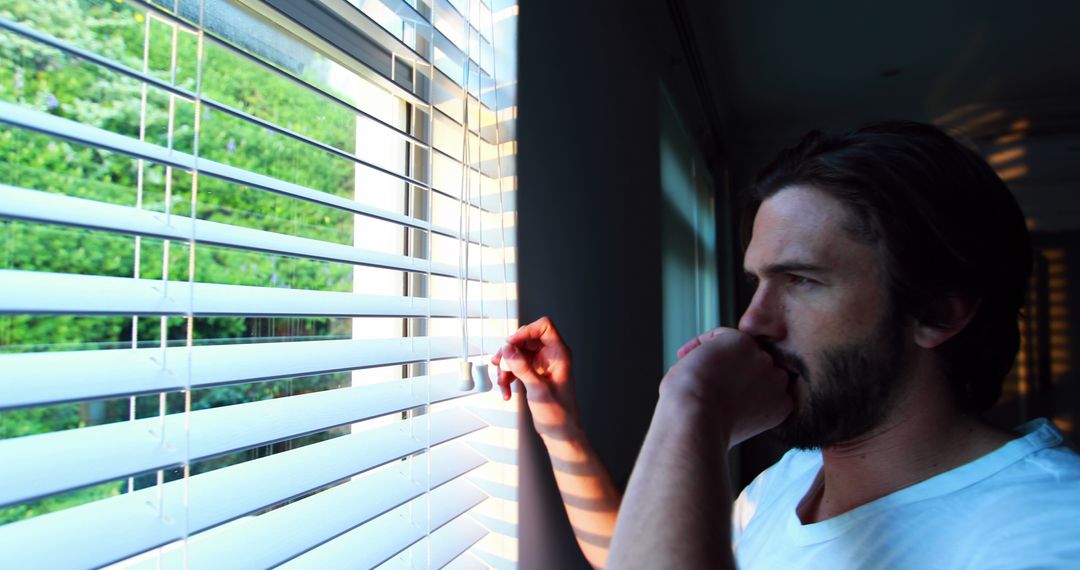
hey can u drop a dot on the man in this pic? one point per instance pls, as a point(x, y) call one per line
point(890, 265)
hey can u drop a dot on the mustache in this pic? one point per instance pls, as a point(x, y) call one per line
point(782, 358)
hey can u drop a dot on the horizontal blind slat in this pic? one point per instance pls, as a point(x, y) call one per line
point(443, 545)
point(99, 374)
point(453, 540)
point(37, 206)
point(112, 529)
point(467, 561)
point(41, 465)
point(473, 128)
point(45, 207)
point(379, 540)
point(189, 95)
point(302, 526)
point(115, 66)
point(53, 42)
point(80, 133)
point(39, 292)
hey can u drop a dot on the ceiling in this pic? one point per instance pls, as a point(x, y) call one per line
point(1005, 74)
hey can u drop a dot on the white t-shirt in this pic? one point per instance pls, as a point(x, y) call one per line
point(1016, 507)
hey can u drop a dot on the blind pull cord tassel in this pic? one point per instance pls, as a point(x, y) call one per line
point(482, 377)
point(465, 376)
point(474, 377)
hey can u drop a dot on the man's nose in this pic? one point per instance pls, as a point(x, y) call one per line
point(764, 317)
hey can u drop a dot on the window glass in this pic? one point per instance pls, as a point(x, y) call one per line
point(217, 226)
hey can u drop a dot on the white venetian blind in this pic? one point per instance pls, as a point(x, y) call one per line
point(246, 247)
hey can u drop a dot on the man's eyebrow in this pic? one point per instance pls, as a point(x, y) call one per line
point(788, 267)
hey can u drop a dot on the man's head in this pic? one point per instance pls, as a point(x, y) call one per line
point(875, 246)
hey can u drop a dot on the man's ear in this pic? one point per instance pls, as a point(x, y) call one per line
point(950, 316)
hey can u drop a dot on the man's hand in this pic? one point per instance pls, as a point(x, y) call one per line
point(728, 374)
point(677, 508)
point(537, 356)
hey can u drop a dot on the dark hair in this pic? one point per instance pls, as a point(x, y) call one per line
point(944, 226)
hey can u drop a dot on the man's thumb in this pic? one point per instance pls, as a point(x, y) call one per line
point(520, 366)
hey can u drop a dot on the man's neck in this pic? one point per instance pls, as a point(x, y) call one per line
point(921, 438)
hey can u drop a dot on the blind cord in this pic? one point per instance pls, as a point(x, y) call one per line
point(465, 376)
point(428, 215)
point(499, 176)
point(190, 335)
point(480, 369)
point(139, 182)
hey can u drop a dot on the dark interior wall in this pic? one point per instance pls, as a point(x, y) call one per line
point(588, 175)
point(588, 234)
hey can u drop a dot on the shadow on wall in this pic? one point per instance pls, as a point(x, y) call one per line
point(1029, 155)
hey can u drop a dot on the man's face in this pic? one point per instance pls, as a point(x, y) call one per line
point(822, 310)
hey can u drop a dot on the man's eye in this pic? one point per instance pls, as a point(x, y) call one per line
point(799, 280)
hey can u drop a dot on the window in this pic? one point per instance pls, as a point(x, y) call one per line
point(691, 289)
point(247, 246)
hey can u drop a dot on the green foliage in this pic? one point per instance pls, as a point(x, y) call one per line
point(60, 502)
point(45, 79)
point(33, 421)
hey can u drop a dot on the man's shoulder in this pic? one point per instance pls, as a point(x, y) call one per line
point(1039, 482)
point(1038, 466)
point(1030, 515)
point(1057, 463)
point(1050, 467)
point(1034, 499)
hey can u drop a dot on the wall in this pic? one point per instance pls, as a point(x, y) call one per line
point(588, 233)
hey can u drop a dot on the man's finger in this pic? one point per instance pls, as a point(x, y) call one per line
point(518, 364)
point(499, 360)
point(707, 336)
point(504, 379)
point(542, 330)
point(504, 384)
point(697, 341)
point(513, 365)
point(686, 348)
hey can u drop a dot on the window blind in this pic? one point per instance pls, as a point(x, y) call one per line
point(247, 247)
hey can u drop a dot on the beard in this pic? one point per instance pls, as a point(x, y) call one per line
point(849, 395)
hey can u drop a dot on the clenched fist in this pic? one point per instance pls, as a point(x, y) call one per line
point(725, 373)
